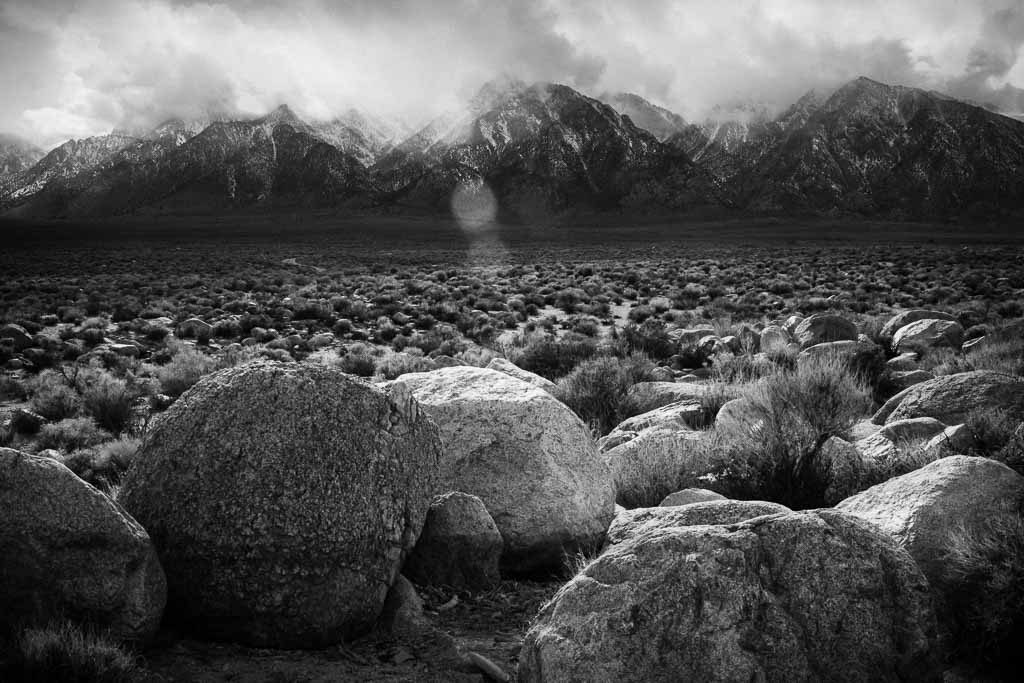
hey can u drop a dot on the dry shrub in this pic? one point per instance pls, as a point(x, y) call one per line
point(551, 357)
point(661, 462)
point(107, 399)
point(798, 411)
point(186, 367)
point(53, 397)
point(71, 434)
point(596, 389)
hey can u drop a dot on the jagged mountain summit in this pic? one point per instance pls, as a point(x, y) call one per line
point(865, 149)
point(17, 154)
point(542, 147)
point(658, 121)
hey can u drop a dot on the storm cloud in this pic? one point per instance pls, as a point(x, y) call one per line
point(83, 68)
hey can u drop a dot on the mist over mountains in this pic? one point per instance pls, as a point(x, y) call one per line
point(865, 149)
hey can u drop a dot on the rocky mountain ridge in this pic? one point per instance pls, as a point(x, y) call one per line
point(865, 149)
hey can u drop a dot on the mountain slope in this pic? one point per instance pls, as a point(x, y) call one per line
point(872, 148)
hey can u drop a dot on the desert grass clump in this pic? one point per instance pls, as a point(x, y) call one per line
point(109, 400)
point(394, 365)
point(186, 367)
point(998, 435)
point(53, 397)
point(660, 462)
point(357, 360)
point(549, 356)
point(740, 368)
point(796, 412)
point(982, 575)
point(596, 389)
point(63, 651)
point(104, 465)
point(71, 434)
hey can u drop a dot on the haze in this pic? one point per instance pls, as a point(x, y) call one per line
point(69, 70)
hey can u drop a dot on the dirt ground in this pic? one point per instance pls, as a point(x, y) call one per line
point(491, 624)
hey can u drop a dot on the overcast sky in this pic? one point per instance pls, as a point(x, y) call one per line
point(73, 68)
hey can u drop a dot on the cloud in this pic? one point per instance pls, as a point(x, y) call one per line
point(994, 54)
point(74, 69)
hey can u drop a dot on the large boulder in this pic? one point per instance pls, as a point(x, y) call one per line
point(18, 335)
point(679, 415)
point(774, 338)
point(528, 457)
point(951, 398)
point(629, 523)
point(647, 396)
point(924, 509)
point(67, 550)
point(513, 370)
point(905, 318)
point(460, 546)
point(738, 417)
point(824, 327)
point(283, 499)
point(845, 350)
point(928, 334)
point(800, 596)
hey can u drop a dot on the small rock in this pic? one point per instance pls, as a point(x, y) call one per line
point(460, 546)
point(687, 496)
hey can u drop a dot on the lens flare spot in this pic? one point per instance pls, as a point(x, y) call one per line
point(474, 205)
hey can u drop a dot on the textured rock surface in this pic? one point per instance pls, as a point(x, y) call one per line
point(629, 523)
point(460, 545)
point(930, 334)
point(905, 318)
point(911, 429)
point(841, 466)
point(842, 349)
point(824, 327)
point(528, 457)
point(903, 379)
point(513, 370)
point(738, 416)
point(687, 496)
point(811, 596)
point(774, 338)
point(648, 396)
point(282, 499)
point(923, 509)
point(957, 439)
point(679, 415)
point(67, 549)
point(950, 398)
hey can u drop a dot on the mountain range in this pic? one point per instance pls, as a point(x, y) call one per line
point(865, 149)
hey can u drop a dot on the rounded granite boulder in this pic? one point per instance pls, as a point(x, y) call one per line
point(283, 499)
